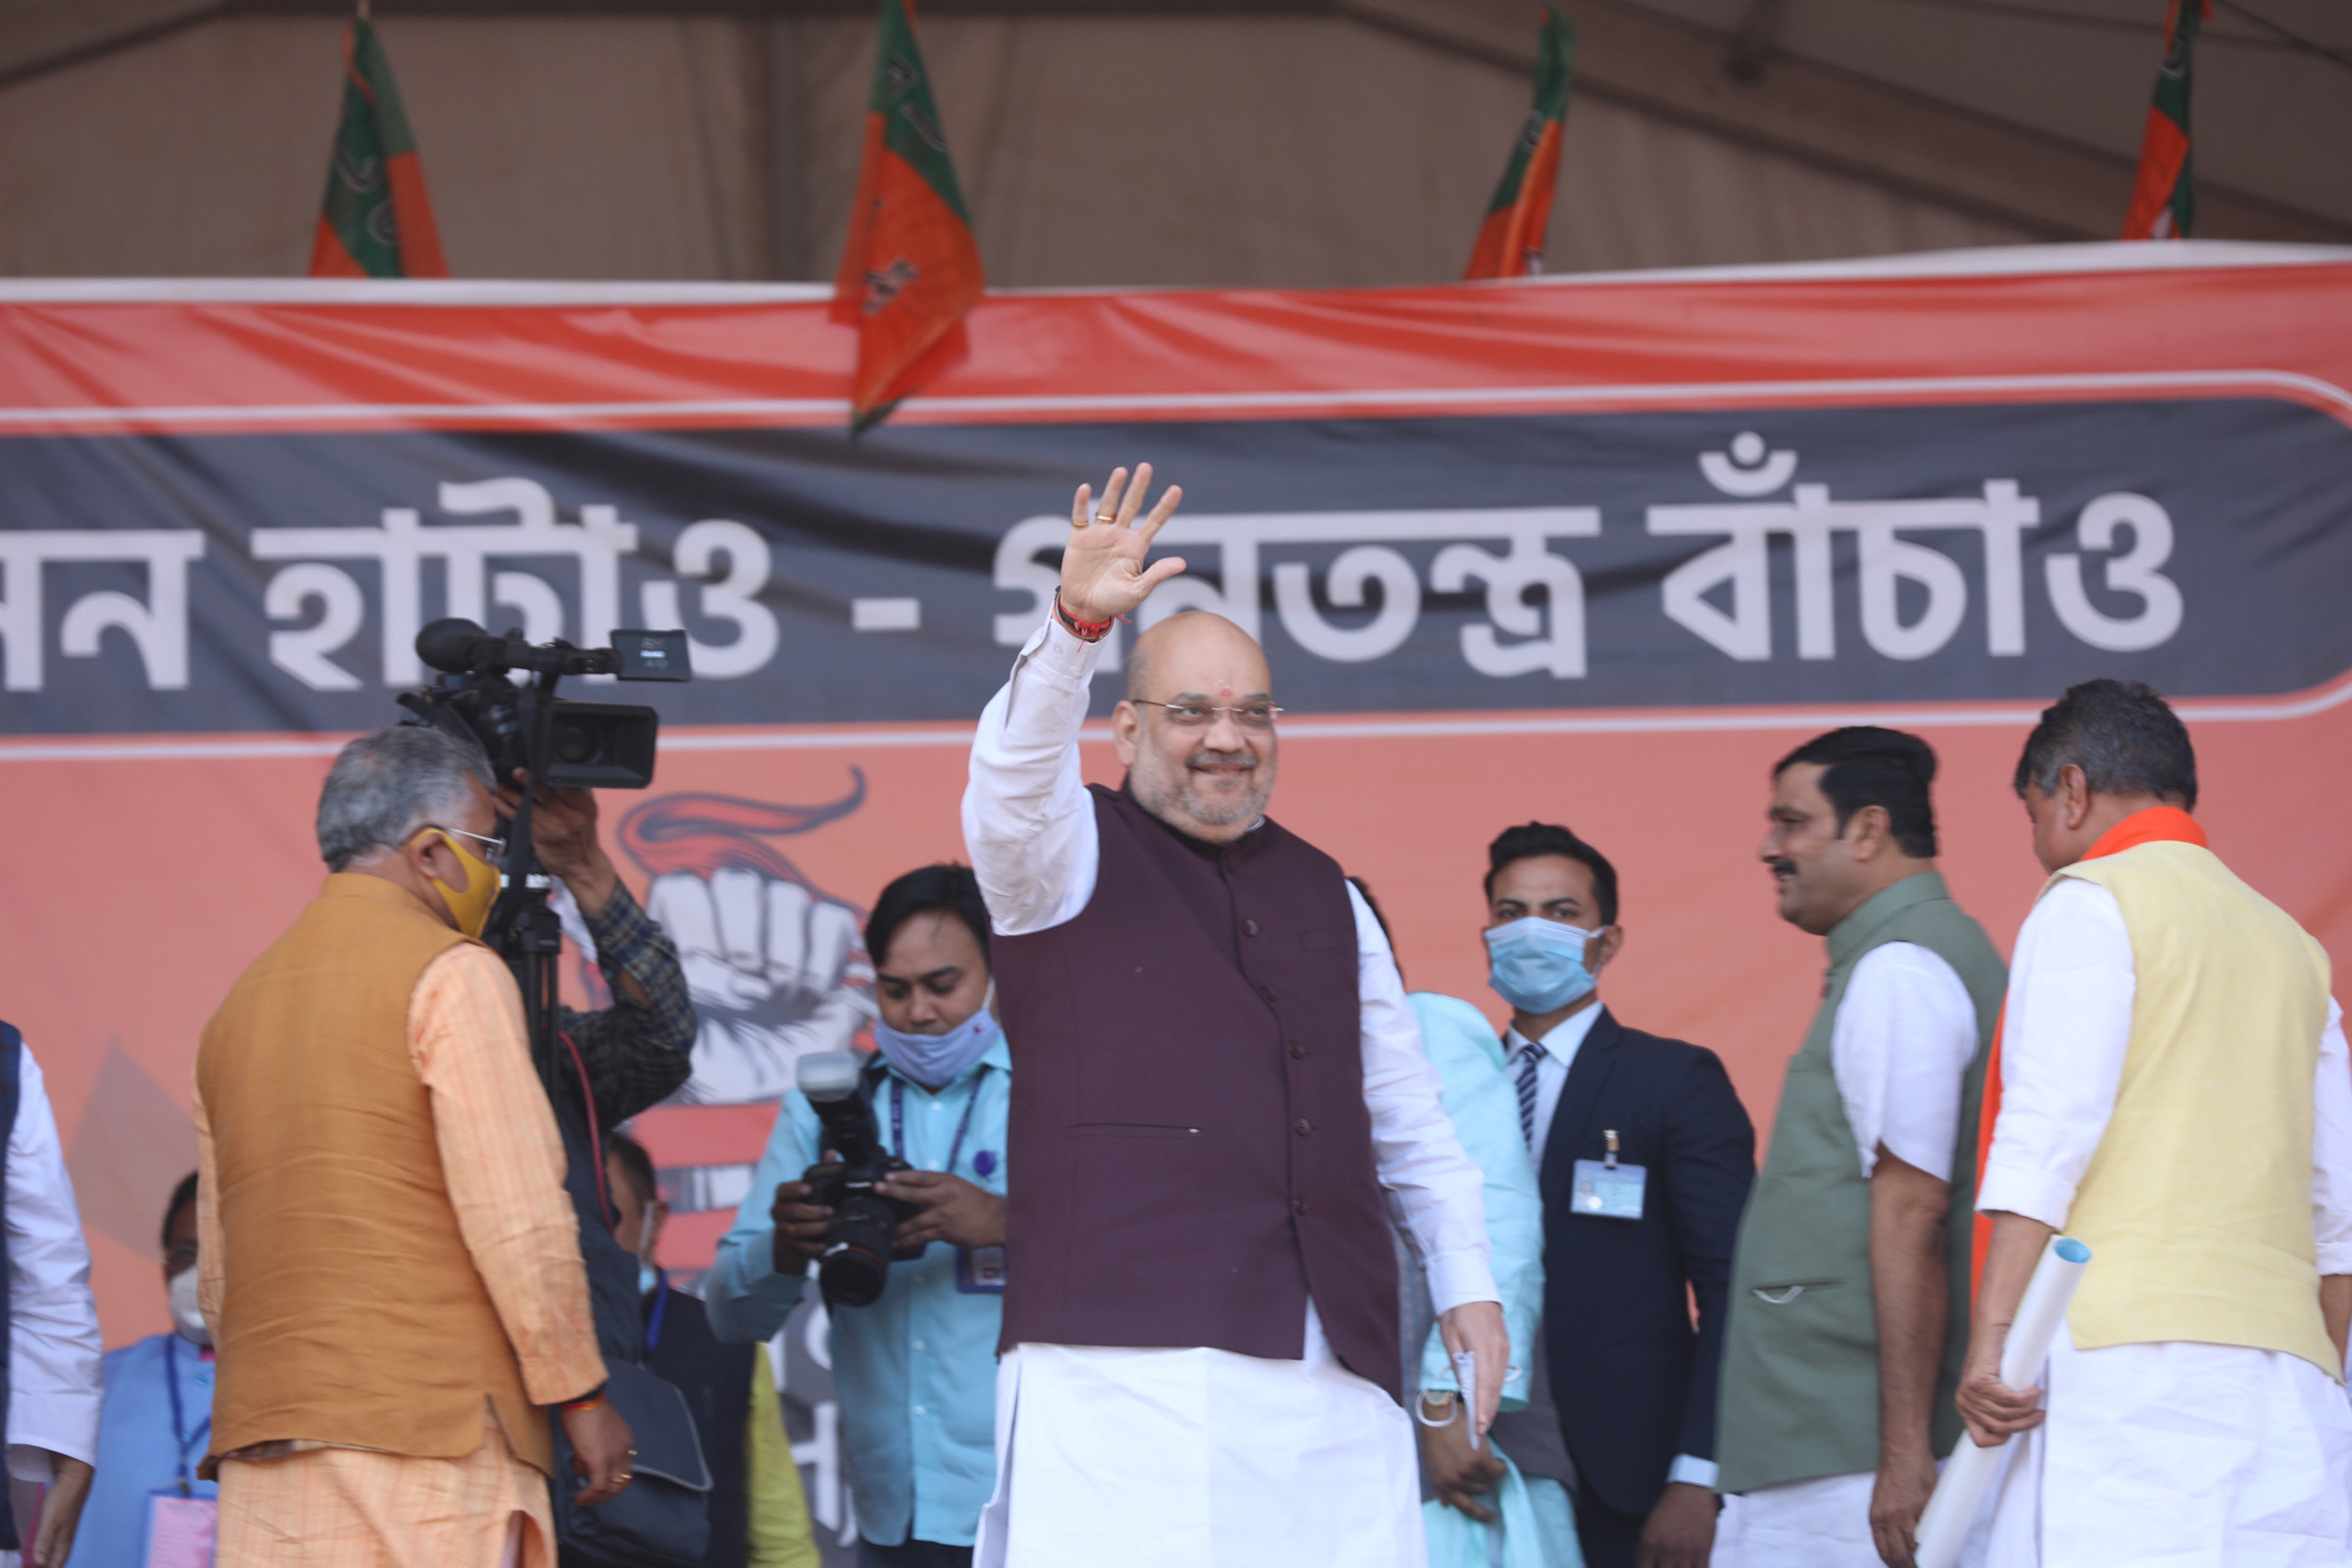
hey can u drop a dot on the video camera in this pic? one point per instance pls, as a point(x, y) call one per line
point(855, 1264)
point(564, 745)
point(606, 745)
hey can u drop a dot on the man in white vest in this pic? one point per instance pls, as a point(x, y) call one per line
point(2175, 1093)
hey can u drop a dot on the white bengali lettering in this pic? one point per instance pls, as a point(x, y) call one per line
point(2132, 572)
point(727, 561)
point(1533, 597)
point(157, 626)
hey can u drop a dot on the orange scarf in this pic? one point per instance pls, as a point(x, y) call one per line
point(2158, 824)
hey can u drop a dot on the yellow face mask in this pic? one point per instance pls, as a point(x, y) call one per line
point(470, 907)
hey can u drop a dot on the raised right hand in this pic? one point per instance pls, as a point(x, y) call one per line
point(801, 1227)
point(1102, 571)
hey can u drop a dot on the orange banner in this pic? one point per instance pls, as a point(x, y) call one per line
point(1584, 550)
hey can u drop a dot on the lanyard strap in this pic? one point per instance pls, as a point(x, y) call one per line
point(898, 1117)
point(653, 1324)
point(182, 1436)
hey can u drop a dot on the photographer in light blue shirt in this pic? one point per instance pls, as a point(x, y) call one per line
point(915, 1370)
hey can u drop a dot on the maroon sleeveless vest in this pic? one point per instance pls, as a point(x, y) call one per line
point(1188, 1117)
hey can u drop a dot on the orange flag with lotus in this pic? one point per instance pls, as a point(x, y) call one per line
point(912, 269)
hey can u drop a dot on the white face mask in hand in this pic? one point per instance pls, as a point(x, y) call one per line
point(186, 1317)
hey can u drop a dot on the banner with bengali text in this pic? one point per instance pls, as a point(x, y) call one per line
point(1596, 551)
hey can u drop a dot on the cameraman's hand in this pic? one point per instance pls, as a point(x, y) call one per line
point(564, 832)
point(954, 1209)
point(801, 1227)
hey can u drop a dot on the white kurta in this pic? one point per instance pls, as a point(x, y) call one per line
point(54, 1353)
point(1899, 1050)
point(2169, 1453)
point(1184, 1456)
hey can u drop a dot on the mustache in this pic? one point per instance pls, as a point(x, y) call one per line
point(1782, 867)
point(1205, 759)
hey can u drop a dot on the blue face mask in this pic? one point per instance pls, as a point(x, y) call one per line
point(936, 1061)
point(1538, 965)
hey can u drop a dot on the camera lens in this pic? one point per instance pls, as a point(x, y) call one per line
point(857, 1266)
point(575, 743)
point(851, 1276)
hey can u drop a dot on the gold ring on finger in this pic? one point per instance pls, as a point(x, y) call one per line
point(1107, 517)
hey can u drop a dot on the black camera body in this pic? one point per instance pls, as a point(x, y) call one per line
point(854, 1267)
point(605, 746)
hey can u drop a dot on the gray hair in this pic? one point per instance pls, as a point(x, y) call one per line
point(2125, 737)
point(385, 786)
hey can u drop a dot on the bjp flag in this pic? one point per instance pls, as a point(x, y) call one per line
point(912, 268)
point(375, 221)
point(2164, 198)
point(1510, 242)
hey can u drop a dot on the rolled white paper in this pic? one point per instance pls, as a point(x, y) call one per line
point(1968, 1474)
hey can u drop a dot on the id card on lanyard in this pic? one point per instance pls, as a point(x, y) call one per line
point(181, 1526)
point(179, 1530)
point(979, 1270)
point(1606, 1189)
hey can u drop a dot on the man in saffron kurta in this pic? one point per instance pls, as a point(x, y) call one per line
point(2175, 1093)
point(389, 1263)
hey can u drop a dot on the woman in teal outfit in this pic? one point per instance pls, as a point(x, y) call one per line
point(1534, 1525)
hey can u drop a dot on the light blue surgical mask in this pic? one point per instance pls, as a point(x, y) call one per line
point(936, 1061)
point(1538, 965)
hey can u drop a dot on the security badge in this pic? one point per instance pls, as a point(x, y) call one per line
point(1605, 1189)
point(980, 1270)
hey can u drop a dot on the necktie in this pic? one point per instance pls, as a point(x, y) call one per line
point(1530, 1055)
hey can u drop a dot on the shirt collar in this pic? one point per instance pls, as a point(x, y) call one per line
point(1849, 936)
point(1566, 1035)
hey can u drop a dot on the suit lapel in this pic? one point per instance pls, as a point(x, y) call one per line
point(1579, 1100)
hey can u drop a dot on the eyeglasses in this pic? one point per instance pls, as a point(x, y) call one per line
point(495, 849)
point(1198, 715)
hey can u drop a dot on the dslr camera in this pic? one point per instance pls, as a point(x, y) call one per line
point(855, 1263)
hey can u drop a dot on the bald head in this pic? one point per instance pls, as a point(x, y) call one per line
point(1207, 778)
point(1196, 654)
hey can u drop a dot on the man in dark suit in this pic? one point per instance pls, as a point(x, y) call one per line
point(757, 1516)
point(1644, 1155)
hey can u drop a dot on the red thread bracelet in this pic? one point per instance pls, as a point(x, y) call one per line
point(1086, 631)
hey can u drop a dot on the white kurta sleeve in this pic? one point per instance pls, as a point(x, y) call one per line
point(1436, 1191)
point(2331, 1147)
point(1026, 819)
point(2063, 1040)
point(1904, 1036)
point(54, 1353)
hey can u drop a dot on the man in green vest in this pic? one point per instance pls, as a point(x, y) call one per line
point(1849, 1285)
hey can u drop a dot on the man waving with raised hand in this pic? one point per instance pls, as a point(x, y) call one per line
point(1219, 1078)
